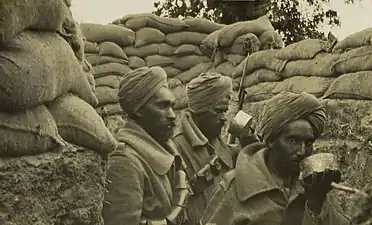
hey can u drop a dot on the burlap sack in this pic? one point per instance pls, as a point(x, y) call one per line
point(148, 35)
point(37, 67)
point(111, 68)
point(106, 95)
point(108, 110)
point(19, 15)
point(158, 60)
point(305, 49)
point(91, 47)
point(261, 60)
point(138, 21)
point(180, 95)
point(111, 81)
point(225, 68)
point(92, 82)
point(187, 62)
point(152, 49)
point(111, 49)
point(320, 66)
point(79, 124)
point(260, 92)
point(244, 44)
point(201, 25)
point(96, 60)
point(234, 59)
point(187, 49)
point(171, 71)
point(28, 132)
point(351, 86)
point(355, 60)
point(185, 37)
point(355, 40)
point(195, 71)
point(136, 62)
point(271, 39)
point(110, 32)
point(228, 34)
point(209, 45)
point(258, 76)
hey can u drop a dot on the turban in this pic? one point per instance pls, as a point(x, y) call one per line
point(206, 90)
point(138, 86)
point(288, 107)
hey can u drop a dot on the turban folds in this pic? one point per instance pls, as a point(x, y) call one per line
point(206, 90)
point(288, 107)
point(138, 86)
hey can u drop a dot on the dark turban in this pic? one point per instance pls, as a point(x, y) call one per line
point(206, 90)
point(138, 86)
point(288, 107)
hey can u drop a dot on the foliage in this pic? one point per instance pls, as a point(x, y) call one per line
point(294, 19)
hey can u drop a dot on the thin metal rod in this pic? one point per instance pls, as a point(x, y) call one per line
point(348, 189)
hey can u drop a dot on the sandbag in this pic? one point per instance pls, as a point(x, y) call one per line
point(320, 66)
point(136, 62)
point(92, 82)
point(185, 37)
point(258, 76)
point(28, 132)
point(158, 60)
point(111, 68)
point(244, 44)
point(234, 59)
point(106, 95)
point(109, 109)
point(261, 60)
point(228, 34)
point(111, 81)
point(355, 60)
point(171, 71)
point(355, 40)
point(195, 71)
point(351, 86)
point(19, 15)
point(201, 25)
point(187, 49)
point(260, 92)
point(110, 32)
point(148, 35)
point(96, 60)
point(305, 49)
point(151, 49)
point(111, 49)
point(37, 67)
point(271, 39)
point(180, 95)
point(91, 47)
point(226, 69)
point(187, 62)
point(138, 21)
point(79, 124)
point(72, 33)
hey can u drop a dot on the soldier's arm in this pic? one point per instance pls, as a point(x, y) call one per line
point(123, 201)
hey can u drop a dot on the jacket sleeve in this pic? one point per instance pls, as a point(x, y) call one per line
point(218, 210)
point(331, 214)
point(123, 201)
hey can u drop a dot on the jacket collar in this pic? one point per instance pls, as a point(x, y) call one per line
point(197, 139)
point(253, 177)
point(159, 158)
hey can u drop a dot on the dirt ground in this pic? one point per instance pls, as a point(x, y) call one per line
point(63, 187)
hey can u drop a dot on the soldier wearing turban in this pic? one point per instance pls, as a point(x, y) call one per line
point(199, 141)
point(147, 183)
point(264, 189)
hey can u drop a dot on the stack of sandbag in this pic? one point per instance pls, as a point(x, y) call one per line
point(355, 65)
point(104, 52)
point(229, 46)
point(47, 119)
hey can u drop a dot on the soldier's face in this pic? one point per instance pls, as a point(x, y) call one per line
point(157, 116)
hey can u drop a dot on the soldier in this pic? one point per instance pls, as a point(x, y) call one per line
point(146, 181)
point(264, 189)
point(199, 141)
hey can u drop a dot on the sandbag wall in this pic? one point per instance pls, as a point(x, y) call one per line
point(53, 140)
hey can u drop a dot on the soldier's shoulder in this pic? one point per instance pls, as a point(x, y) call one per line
point(125, 151)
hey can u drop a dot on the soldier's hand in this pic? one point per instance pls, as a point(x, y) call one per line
point(319, 184)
